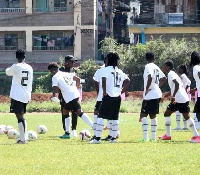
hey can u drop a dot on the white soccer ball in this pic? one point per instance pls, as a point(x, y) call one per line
point(32, 135)
point(42, 129)
point(12, 133)
point(7, 128)
point(85, 134)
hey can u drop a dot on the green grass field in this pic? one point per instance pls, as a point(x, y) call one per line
point(51, 155)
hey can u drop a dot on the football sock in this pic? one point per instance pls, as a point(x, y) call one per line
point(145, 128)
point(178, 119)
point(67, 125)
point(154, 125)
point(115, 128)
point(168, 126)
point(86, 119)
point(110, 128)
point(95, 124)
point(99, 129)
point(193, 128)
point(74, 120)
point(184, 123)
point(196, 121)
point(22, 129)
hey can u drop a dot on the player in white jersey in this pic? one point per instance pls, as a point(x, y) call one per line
point(20, 92)
point(153, 79)
point(179, 101)
point(182, 72)
point(67, 83)
point(114, 83)
point(195, 63)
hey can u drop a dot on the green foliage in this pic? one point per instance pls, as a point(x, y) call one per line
point(5, 85)
point(86, 71)
point(43, 84)
point(108, 45)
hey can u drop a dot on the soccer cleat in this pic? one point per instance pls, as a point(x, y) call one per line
point(65, 136)
point(74, 133)
point(21, 142)
point(164, 137)
point(195, 140)
point(185, 129)
point(177, 128)
point(94, 141)
point(108, 138)
point(113, 141)
point(94, 137)
point(192, 140)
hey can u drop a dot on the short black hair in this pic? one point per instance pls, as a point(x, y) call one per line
point(53, 65)
point(169, 63)
point(195, 59)
point(112, 59)
point(149, 56)
point(184, 67)
point(20, 54)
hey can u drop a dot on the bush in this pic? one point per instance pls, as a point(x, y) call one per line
point(43, 84)
point(5, 85)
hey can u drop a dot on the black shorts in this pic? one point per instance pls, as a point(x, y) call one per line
point(181, 107)
point(150, 106)
point(97, 106)
point(110, 107)
point(197, 106)
point(73, 105)
point(17, 107)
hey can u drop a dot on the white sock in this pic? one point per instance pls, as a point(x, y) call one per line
point(87, 119)
point(22, 130)
point(145, 128)
point(193, 128)
point(185, 123)
point(67, 124)
point(178, 119)
point(110, 128)
point(154, 125)
point(196, 121)
point(168, 126)
point(99, 128)
point(95, 124)
point(115, 128)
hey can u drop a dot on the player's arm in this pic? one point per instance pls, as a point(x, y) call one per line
point(104, 86)
point(10, 71)
point(55, 91)
point(78, 81)
point(162, 81)
point(149, 80)
point(96, 86)
point(125, 85)
point(175, 90)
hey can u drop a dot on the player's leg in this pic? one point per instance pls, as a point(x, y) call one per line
point(19, 109)
point(178, 121)
point(197, 110)
point(66, 123)
point(185, 127)
point(74, 123)
point(196, 120)
point(154, 126)
point(109, 127)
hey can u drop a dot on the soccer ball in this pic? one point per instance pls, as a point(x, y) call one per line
point(2, 129)
point(42, 129)
point(12, 133)
point(7, 128)
point(85, 134)
point(32, 135)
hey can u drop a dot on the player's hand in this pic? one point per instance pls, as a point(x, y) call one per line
point(127, 94)
point(173, 100)
point(146, 92)
point(192, 91)
point(162, 99)
point(104, 94)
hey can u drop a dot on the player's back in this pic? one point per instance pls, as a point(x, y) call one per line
point(22, 81)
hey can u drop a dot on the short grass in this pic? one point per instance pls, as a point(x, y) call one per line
point(51, 155)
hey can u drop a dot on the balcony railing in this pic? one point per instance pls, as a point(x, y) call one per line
point(54, 9)
point(53, 47)
point(9, 48)
point(12, 10)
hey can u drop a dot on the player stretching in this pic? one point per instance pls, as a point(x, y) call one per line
point(67, 83)
point(179, 101)
point(20, 92)
point(195, 63)
point(112, 81)
point(69, 67)
point(153, 79)
point(182, 72)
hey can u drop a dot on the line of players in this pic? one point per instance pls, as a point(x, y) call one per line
point(111, 83)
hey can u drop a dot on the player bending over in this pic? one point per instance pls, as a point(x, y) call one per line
point(153, 79)
point(67, 83)
point(20, 92)
point(179, 101)
point(112, 81)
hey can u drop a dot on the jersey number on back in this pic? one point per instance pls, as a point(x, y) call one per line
point(156, 74)
point(68, 81)
point(117, 79)
point(24, 78)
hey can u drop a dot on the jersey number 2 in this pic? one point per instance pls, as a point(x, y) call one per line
point(24, 78)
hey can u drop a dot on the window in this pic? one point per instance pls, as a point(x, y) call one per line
point(11, 41)
point(60, 3)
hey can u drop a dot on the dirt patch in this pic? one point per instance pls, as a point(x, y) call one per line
point(86, 96)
